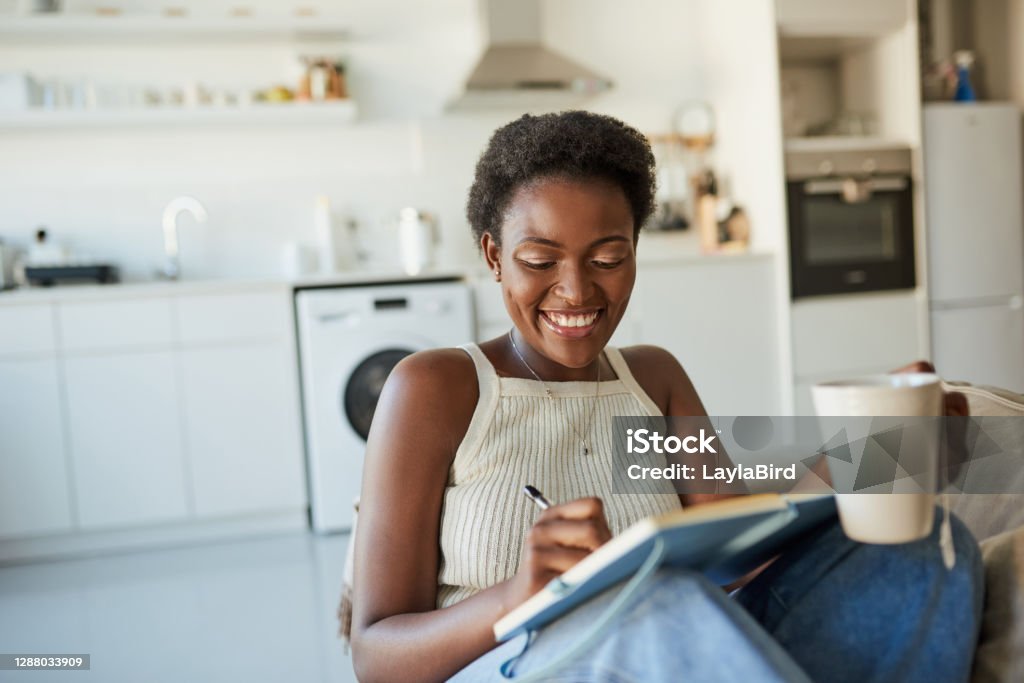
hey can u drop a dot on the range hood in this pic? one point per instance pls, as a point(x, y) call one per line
point(517, 69)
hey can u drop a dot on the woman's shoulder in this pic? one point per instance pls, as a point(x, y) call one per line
point(432, 362)
point(662, 377)
point(431, 394)
point(447, 370)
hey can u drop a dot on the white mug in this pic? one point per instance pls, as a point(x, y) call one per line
point(907, 513)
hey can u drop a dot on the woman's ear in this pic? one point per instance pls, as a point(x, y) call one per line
point(492, 254)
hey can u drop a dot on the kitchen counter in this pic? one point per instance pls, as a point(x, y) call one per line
point(149, 289)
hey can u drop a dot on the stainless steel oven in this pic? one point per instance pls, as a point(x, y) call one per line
point(851, 221)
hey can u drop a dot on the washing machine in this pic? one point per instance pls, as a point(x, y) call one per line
point(350, 338)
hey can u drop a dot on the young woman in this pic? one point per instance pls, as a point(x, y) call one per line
point(447, 544)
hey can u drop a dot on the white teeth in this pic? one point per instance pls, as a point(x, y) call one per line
point(572, 320)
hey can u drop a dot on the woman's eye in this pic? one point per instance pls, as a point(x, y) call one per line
point(537, 265)
point(607, 264)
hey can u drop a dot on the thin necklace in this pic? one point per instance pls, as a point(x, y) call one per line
point(547, 390)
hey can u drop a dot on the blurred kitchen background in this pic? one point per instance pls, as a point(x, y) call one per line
point(223, 222)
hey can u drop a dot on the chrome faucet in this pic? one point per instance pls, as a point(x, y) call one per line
point(171, 269)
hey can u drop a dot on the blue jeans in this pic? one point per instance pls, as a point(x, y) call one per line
point(828, 610)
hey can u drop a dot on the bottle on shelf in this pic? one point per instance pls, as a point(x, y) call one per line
point(706, 211)
point(335, 246)
point(964, 59)
point(325, 236)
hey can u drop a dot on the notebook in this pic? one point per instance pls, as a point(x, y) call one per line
point(723, 540)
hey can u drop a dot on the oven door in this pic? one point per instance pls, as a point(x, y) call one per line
point(850, 235)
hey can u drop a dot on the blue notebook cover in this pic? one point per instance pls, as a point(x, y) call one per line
point(724, 541)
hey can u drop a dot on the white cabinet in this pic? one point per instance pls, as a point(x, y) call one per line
point(717, 317)
point(856, 334)
point(113, 325)
point(973, 191)
point(842, 17)
point(33, 471)
point(839, 337)
point(241, 316)
point(241, 400)
point(242, 429)
point(973, 343)
point(27, 329)
point(129, 412)
point(126, 442)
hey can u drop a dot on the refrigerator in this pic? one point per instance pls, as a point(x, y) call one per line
point(974, 200)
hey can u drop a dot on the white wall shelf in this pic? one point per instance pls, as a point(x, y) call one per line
point(337, 112)
point(86, 28)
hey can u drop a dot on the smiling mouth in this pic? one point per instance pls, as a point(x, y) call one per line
point(572, 325)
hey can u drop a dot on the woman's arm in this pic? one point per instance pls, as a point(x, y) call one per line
point(663, 378)
point(397, 632)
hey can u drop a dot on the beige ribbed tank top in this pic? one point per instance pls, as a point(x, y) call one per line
point(519, 436)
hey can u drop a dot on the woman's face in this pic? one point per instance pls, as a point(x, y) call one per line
point(567, 264)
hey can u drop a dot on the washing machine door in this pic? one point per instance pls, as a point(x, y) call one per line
point(364, 375)
point(342, 393)
point(361, 392)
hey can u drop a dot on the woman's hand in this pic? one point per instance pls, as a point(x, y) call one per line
point(954, 403)
point(562, 536)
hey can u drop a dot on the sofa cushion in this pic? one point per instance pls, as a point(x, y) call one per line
point(1000, 654)
point(989, 514)
point(985, 400)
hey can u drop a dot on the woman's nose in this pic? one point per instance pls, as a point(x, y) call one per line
point(574, 285)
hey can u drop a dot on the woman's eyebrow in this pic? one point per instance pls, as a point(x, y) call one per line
point(610, 238)
point(540, 240)
point(552, 243)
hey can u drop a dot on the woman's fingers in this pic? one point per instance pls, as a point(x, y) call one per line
point(562, 536)
point(579, 522)
point(555, 559)
point(955, 405)
point(916, 366)
point(584, 534)
point(581, 508)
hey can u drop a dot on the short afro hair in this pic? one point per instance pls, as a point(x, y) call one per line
point(574, 145)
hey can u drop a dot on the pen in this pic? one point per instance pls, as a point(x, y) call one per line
point(536, 496)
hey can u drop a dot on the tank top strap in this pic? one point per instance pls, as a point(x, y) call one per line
point(485, 372)
point(621, 368)
point(486, 407)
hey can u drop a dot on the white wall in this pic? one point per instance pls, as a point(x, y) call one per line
point(102, 190)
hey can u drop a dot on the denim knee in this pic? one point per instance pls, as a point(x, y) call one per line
point(667, 586)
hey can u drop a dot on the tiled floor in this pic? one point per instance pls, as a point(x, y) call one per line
point(253, 610)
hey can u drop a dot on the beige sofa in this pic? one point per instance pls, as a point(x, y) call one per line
point(997, 521)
